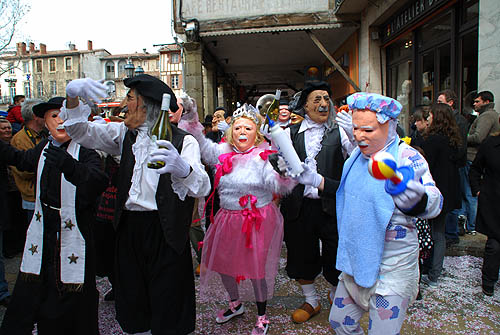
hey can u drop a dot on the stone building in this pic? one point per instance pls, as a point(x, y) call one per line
point(407, 49)
point(43, 73)
point(114, 68)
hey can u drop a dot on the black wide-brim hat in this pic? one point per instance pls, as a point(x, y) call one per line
point(310, 87)
point(153, 88)
point(53, 103)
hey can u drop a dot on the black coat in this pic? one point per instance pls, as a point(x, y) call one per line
point(484, 176)
point(443, 165)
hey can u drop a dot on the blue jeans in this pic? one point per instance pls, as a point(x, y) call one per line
point(452, 217)
point(4, 288)
point(469, 203)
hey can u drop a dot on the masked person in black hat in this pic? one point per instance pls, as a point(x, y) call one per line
point(154, 286)
point(56, 284)
point(309, 212)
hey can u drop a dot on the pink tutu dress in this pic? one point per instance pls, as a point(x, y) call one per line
point(244, 242)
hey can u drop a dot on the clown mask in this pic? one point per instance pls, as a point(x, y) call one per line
point(55, 126)
point(244, 134)
point(284, 114)
point(368, 132)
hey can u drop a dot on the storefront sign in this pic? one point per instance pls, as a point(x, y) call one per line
point(207, 10)
point(410, 14)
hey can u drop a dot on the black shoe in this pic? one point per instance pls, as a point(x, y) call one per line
point(462, 224)
point(487, 290)
point(5, 301)
point(110, 296)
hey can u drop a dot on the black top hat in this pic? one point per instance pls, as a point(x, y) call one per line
point(53, 103)
point(153, 88)
point(313, 86)
point(208, 120)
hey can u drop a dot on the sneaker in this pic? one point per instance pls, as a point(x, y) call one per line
point(235, 308)
point(471, 232)
point(487, 290)
point(261, 326)
point(425, 279)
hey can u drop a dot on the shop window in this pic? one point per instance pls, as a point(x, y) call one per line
point(444, 68)
point(402, 48)
point(427, 78)
point(437, 29)
point(470, 11)
point(469, 49)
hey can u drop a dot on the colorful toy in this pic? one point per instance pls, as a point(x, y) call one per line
point(384, 167)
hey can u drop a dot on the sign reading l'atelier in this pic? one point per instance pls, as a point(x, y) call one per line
point(409, 15)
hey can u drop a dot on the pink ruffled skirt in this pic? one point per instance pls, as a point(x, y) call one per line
point(249, 254)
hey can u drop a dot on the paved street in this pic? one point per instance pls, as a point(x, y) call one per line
point(457, 306)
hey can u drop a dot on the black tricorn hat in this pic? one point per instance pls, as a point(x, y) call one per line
point(313, 86)
point(53, 103)
point(153, 88)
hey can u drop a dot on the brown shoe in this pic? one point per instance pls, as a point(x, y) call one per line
point(197, 271)
point(305, 312)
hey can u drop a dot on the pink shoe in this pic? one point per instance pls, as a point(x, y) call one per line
point(235, 308)
point(261, 326)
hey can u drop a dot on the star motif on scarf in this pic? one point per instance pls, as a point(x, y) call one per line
point(72, 258)
point(33, 249)
point(38, 216)
point(69, 225)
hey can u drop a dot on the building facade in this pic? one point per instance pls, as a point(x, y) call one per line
point(171, 66)
point(409, 50)
point(40, 73)
point(114, 68)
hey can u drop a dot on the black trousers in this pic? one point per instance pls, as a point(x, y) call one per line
point(105, 250)
point(491, 263)
point(154, 286)
point(44, 300)
point(303, 236)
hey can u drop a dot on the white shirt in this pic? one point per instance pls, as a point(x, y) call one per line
point(313, 136)
point(109, 138)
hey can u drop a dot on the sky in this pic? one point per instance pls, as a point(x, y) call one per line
point(119, 26)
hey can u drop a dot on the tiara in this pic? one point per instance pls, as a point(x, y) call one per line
point(248, 111)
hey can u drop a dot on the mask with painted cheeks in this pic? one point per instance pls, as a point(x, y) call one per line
point(55, 126)
point(244, 134)
point(370, 135)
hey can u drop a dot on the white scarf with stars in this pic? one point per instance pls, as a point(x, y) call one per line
point(72, 243)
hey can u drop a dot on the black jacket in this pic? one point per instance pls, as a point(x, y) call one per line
point(443, 165)
point(175, 215)
point(330, 162)
point(484, 176)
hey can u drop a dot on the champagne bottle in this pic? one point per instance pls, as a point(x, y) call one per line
point(162, 129)
point(273, 111)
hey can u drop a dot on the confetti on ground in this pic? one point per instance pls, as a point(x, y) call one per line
point(456, 306)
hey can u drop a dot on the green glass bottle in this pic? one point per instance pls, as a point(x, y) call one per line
point(273, 111)
point(162, 129)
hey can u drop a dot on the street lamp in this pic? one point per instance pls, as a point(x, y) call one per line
point(139, 70)
point(129, 69)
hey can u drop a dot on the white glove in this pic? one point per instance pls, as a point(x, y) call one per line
point(91, 91)
point(174, 163)
point(344, 120)
point(264, 129)
point(222, 126)
point(309, 177)
point(407, 199)
point(190, 109)
point(98, 119)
